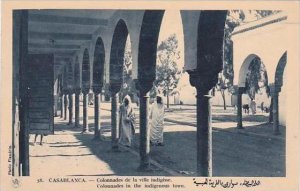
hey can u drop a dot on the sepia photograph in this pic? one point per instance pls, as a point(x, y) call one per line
point(140, 97)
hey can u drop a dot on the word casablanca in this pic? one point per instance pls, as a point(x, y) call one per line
point(63, 180)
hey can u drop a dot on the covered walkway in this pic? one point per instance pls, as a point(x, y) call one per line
point(72, 153)
point(62, 57)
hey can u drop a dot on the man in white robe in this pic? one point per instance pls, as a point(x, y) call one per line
point(126, 122)
point(156, 119)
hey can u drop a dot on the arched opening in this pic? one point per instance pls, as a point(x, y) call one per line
point(245, 68)
point(98, 72)
point(117, 55)
point(254, 93)
point(169, 63)
point(98, 65)
point(85, 88)
point(86, 71)
point(116, 67)
point(128, 85)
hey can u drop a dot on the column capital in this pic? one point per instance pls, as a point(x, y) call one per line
point(77, 90)
point(114, 88)
point(274, 89)
point(144, 85)
point(203, 82)
point(238, 90)
point(97, 89)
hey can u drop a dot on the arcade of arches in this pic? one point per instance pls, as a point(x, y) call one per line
point(93, 57)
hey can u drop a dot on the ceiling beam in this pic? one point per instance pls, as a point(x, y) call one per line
point(66, 20)
point(64, 54)
point(59, 36)
point(56, 46)
point(54, 51)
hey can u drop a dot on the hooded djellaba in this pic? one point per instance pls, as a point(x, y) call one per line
point(126, 122)
point(156, 119)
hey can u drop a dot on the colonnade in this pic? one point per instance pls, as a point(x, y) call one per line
point(274, 93)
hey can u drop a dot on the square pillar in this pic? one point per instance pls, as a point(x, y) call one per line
point(97, 96)
point(239, 108)
point(77, 110)
point(274, 90)
point(85, 127)
point(70, 107)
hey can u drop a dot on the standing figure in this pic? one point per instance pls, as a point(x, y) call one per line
point(253, 106)
point(41, 140)
point(156, 119)
point(262, 108)
point(126, 122)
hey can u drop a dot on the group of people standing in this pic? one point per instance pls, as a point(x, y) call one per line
point(127, 122)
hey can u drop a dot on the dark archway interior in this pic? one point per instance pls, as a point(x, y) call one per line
point(86, 71)
point(98, 65)
point(117, 54)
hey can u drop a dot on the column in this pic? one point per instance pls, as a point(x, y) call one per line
point(65, 106)
point(275, 109)
point(239, 108)
point(114, 121)
point(85, 128)
point(77, 93)
point(97, 96)
point(271, 111)
point(203, 84)
point(70, 95)
point(144, 131)
point(204, 133)
point(20, 43)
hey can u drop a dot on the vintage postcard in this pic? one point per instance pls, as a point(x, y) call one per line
point(143, 95)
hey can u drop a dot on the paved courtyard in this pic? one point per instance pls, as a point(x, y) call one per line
point(253, 151)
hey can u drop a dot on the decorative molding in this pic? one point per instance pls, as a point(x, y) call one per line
point(260, 25)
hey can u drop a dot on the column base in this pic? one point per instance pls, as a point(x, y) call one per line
point(85, 131)
point(144, 168)
point(240, 127)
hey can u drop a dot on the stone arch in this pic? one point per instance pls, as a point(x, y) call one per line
point(203, 45)
point(245, 68)
point(117, 55)
point(148, 47)
point(210, 39)
point(86, 71)
point(280, 70)
point(98, 64)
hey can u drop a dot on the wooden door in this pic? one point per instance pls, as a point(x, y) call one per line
point(40, 90)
